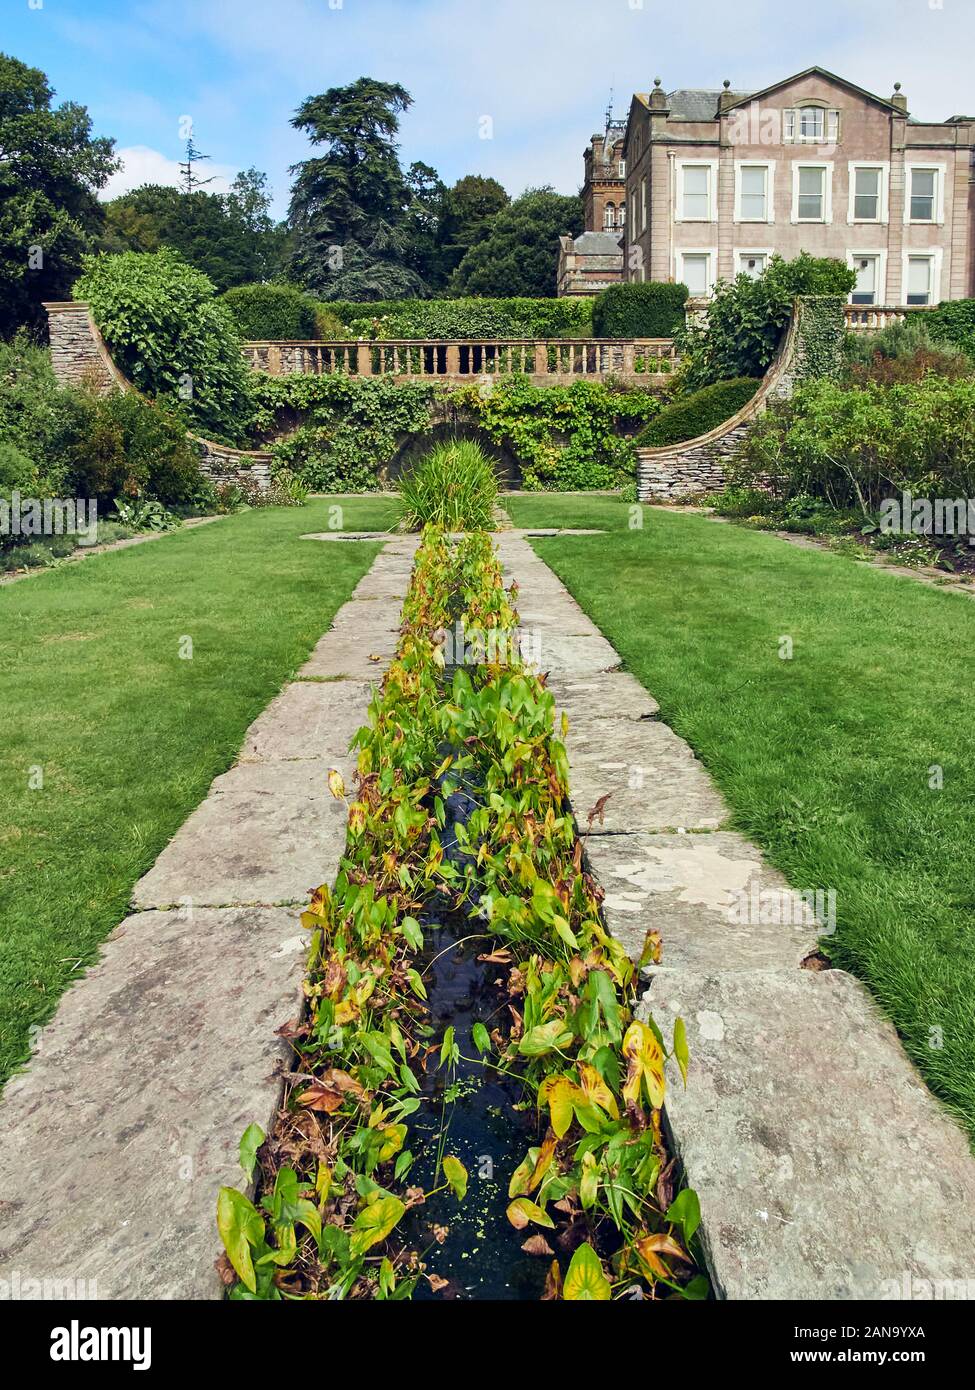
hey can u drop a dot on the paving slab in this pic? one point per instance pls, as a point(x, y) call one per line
point(606, 695)
point(825, 1168)
point(712, 898)
point(266, 833)
point(652, 779)
point(309, 719)
point(115, 1142)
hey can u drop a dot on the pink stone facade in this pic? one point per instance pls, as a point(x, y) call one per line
point(718, 181)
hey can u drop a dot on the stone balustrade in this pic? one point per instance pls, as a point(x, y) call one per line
point(549, 362)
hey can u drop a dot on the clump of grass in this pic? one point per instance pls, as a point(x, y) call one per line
point(454, 486)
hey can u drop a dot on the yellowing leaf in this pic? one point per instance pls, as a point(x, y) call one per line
point(521, 1211)
point(589, 1183)
point(374, 1224)
point(240, 1226)
point(584, 1279)
point(335, 783)
point(456, 1175)
point(644, 1064)
point(596, 1091)
point(560, 1095)
point(545, 1038)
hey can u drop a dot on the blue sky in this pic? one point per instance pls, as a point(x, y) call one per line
point(541, 69)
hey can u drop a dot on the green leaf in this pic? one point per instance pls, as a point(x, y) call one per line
point(685, 1211)
point(546, 1037)
point(419, 989)
point(481, 1037)
point(251, 1140)
point(374, 1224)
point(680, 1048)
point(241, 1226)
point(456, 1175)
point(584, 1279)
point(410, 928)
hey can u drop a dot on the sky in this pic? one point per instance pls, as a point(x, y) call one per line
point(541, 71)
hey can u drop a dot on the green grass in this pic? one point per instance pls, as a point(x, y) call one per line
point(824, 759)
point(127, 735)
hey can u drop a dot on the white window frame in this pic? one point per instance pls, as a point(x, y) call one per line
point(739, 252)
point(827, 216)
point(883, 200)
point(792, 122)
point(935, 254)
point(712, 267)
point(631, 204)
point(880, 255)
point(939, 196)
point(622, 168)
point(769, 166)
point(643, 204)
point(710, 164)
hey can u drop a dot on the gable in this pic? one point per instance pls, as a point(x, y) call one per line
point(828, 79)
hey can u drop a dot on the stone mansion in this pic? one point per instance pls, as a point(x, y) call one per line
point(705, 185)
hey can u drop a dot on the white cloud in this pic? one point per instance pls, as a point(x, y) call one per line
point(140, 165)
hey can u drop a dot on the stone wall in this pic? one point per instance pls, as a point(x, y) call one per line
point(80, 357)
point(699, 466)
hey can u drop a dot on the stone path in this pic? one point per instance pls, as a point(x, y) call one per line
point(115, 1140)
point(825, 1168)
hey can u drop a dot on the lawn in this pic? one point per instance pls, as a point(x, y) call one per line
point(829, 760)
point(109, 738)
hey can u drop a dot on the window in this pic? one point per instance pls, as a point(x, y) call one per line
point(753, 193)
point(866, 195)
point(621, 216)
point(919, 279)
point(694, 270)
point(924, 195)
point(752, 263)
point(696, 201)
point(633, 219)
point(811, 193)
point(622, 167)
point(813, 125)
point(609, 216)
point(643, 204)
point(867, 267)
point(868, 192)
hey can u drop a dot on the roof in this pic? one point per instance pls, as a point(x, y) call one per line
point(698, 103)
point(598, 243)
point(814, 71)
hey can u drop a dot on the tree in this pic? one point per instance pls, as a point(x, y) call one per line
point(230, 237)
point(50, 172)
point(471, 203)
point(517, 250)
point(425, 217)
point(349, 205)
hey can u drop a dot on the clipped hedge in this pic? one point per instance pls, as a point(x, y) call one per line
point(654, 309)
point(271, 313)
point(467, 318)
point(700, 413)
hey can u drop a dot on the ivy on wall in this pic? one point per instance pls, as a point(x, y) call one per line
point(821, 332)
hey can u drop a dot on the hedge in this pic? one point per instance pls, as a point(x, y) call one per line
point(953, 322)
point(653, 309)
point(270, 313)
point(467, 318)
point(700, 413)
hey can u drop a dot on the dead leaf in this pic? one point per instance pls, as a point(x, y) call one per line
point(553, 1283)
point(598, 810)
point(225, 1270)
point(436, 1283)
point(440, 1234)
point(537, 1245)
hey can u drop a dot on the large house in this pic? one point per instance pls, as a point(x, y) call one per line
point(594, 261)
point(718, 181)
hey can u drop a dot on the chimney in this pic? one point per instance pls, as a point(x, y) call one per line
point(725, 99)
point(899, 99)
point(658, 97)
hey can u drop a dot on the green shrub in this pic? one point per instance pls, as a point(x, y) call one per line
point(328, 326)
point(746, 318)
point(653, 309)
point(698, 414)
point(467, 318)
point(271, 313)
point(953, 322)
point(171, 337)
point(567, 438)
point(454, 486)
point(853, 448)
point(124, 445)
